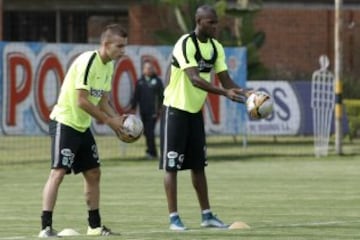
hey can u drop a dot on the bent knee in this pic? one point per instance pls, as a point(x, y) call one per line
point(57, 175)
point(93, 174)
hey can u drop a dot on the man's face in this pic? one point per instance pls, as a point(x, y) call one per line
point(148, 69)
point(207, 24)
point(115, 48)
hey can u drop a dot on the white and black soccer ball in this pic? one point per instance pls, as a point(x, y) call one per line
point(259, 105)
point(132, 129)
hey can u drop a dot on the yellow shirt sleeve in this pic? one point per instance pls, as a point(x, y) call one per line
point(109, 77)
point(84, 71)
point(185, 52)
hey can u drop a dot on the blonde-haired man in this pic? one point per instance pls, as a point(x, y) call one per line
point(84, 95)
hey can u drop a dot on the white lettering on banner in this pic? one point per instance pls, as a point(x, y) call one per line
point(32, 74)
point(286, 116)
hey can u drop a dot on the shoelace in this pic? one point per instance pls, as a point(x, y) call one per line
point(215, 217)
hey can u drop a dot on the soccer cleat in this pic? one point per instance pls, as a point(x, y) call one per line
point(210, 220)
point(100, 231)
point(47, 232)
point(176, 224)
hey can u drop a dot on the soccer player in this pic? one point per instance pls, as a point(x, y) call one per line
point(183, 146)
point(84, 94)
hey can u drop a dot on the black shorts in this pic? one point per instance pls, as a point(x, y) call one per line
point(183, 143)
point(71, 149)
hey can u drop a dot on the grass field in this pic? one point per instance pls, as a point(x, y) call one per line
point(276, 187)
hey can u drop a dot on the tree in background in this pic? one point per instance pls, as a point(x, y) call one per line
point(184, 12)
point(240, 32)
point(244, 34)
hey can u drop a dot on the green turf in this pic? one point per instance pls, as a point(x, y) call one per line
point(30, 149)
point(278, 188)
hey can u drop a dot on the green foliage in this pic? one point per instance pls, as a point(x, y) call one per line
point(165, 37)
point(184, 12)
point(351, 86)
point(351, 91)
point(353, 107)
point(353, 114)
point(250, 38)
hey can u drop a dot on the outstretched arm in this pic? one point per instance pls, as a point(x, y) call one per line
point(233, 94)
point(228, 83)
point(199, 82)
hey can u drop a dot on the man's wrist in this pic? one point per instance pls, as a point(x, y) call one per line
point(106, 119)
point(223, 92)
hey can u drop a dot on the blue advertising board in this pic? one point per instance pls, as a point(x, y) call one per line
point(292, 112)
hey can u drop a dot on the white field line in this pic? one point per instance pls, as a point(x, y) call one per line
point(312, 224)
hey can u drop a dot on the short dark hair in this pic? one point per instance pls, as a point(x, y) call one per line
point(203, 10)
point(114, 28)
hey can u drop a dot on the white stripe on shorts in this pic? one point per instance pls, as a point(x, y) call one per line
point(165, 138)
point(57, 144)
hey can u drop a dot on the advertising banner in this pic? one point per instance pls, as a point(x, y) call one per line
point(31, 75)
point(292, 112)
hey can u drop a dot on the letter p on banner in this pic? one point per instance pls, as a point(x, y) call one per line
point(19, 85)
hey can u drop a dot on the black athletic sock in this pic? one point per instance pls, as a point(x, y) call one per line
point(46, 219)
point(94, 218)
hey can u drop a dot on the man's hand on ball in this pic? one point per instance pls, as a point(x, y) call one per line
point(234, 94)
point(116, 123)
point(248, 92)
point(245, 91)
